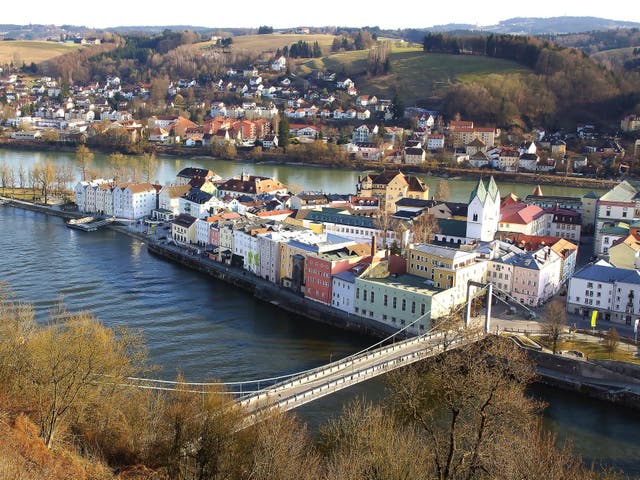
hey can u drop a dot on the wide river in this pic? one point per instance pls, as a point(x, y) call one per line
point(208, 330)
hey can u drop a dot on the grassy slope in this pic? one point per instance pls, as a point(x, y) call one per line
point(414, 74)
point(271, 42)
point(28, 51)
point(615, 57)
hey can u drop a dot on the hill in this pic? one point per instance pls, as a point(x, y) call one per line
point(617, 58)
point(418, 77)
point(258, 44)
point(27, 51)
point(556, 25)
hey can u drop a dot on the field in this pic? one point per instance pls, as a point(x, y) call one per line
point(270, 43)
point(415, 75)
point(28, 51)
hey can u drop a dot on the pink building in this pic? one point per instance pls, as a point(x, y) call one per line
point(319, 270)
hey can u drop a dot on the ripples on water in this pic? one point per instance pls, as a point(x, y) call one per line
point(206, 329)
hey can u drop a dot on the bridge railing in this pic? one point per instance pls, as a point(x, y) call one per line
point(356, 376)
point(345, 364)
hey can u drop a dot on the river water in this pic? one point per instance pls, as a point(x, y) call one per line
point(208, 330)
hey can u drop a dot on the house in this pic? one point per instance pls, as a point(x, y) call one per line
point(270, 141)
point(183, 229)
point(608, 290)
point(519, 217)
point(435, 141)
point(134, 201)
point(620, 204)
point(625, 253)
point(169, 197)
point(158, 135)
point(528, 162)
point(251, 185)
point(630, 123)
point(197, 203)
point(389, 186)
point(414, 156)
point(445, 267)
point(364, 134)
point(188, 174)
point(320, 269)
point(479, 160)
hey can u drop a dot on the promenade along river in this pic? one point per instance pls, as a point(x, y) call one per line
point(206, 329)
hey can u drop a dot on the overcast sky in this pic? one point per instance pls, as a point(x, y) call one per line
point(280, 14)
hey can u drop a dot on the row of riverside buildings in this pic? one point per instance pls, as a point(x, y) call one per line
point(330, 248)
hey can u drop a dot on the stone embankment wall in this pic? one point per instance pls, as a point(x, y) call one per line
point(268, 292)
point(614, 382)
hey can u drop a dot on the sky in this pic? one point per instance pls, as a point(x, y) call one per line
point(283, 14)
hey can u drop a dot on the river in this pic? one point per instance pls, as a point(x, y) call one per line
point(208, 330)
point(329, 180)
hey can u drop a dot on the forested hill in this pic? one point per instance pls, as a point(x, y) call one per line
point(566, 85)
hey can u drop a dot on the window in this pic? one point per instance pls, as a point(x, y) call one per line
point(394, 302)
point(422, 309)
point(364, 295)
point(413, 307)
point(358, 292)
point(384, 300)
point(404, 304)
point(371, 297)
point(475, 217)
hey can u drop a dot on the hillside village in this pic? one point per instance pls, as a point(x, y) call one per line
point(391, 252)
point(255, 104)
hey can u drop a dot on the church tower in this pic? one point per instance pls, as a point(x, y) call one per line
point(483, 214)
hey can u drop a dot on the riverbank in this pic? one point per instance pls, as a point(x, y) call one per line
point(614, 382)
point(278, 159)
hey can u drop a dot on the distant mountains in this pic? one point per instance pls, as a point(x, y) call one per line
point(517, 26)
point(541, 26)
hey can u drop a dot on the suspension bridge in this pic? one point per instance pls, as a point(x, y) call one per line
point(286, 392)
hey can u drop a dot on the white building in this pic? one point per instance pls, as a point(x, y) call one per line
point(203, 227)
point(613, 292)
point(134, 201)
point(483, 213)
point(343, 291)
point(169, 197)
point(620, 204)
point(198, 203)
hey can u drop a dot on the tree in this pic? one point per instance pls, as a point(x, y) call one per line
point(44, 178)
point(68, 361)
point(442, 193)
point(84, 156)
point(6, 176)
point(611, 341)
point(283, 132)
point(385, 223)
point(117, 165)
point(554, 319)
point(149, 166)
point(469, 405)
point(22, 177)
point(424, 228)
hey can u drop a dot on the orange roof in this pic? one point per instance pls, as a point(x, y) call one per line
point(564, 248)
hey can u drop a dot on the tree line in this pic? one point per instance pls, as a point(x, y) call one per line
point(567, 86)
point(463, 415)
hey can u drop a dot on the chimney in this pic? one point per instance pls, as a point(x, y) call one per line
point(373, 246)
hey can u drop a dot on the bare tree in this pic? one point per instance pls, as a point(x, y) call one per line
point(442, 193)
point(117, 164)
point(45, 177)
point(470, 406)
point(385, 223)
point(424, 228)
point(6, 176)
point(84, 156)
point(611, 341)
point(554, 320)
point(22, 177)
point(149, 166)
